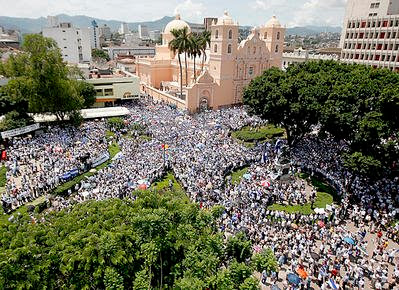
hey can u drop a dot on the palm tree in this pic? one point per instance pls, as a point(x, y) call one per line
point(195, 51)
point(205, 41)
point(184, 39)
point(176, 46)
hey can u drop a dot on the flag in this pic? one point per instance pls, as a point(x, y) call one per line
point(332, 284)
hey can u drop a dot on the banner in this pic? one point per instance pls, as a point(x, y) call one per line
point(20, 131)
point(100, 160)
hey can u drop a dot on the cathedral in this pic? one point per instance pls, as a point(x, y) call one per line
point(228, 68)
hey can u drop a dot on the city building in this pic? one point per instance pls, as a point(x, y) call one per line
point(143, 32)
point(300, 55)
point(124, 28)
point(229, 66)
point(137, 51)
point(113, 89)
point(155, 35)
point(75, 43)
point(371, 32)
point(9, 39)
point(132, 39)
point(94, 33)
point(105, 32)
point(197, 28)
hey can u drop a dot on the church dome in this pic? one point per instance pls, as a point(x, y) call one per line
point(225, 19)
point(273, 22)
point(176, 24)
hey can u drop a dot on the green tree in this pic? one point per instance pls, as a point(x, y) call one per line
point(159, 241)
point(40, 77)
point(195, 50)
point(100, 54)
point(204, 42)
point(265, 260)
point(87, 92)
point(177, 46)
point(239, 247)
point(13, 120)
point(112, 279)
point(356, 104)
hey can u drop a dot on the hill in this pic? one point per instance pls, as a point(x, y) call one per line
point(311, 30)
point(31, 25)
point(35, 25)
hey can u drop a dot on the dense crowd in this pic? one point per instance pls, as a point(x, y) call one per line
point(36, 165)
point(201, 153)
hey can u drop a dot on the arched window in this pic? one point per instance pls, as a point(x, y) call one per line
point(254, 49)
point(217, 34)
point(278, 35)
point(265, 35)
point(229, 49)
point(215, 49)
point(230, 34)
point(276, 48)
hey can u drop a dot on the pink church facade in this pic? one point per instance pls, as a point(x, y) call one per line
point(228, 68)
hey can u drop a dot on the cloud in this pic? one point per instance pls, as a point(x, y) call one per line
point(318, 12)
point(190, 10)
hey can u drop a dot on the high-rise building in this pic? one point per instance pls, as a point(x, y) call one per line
point(143, 32)
point(105, 31)
point(197, 28)
point(74, 42)
point(155, 35)
point(52, 21)
point(94, 33)
point(124, 28)
point(371, 32)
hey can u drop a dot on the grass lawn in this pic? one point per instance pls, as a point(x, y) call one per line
point(237, 175)
point(164, 183)
point(250, 134)
point(322, 200)
point(109, 134)
point(325, 195)
point(3, 178)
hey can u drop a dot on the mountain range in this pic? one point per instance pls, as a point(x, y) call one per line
point(35, 25)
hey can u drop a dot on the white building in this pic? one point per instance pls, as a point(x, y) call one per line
point(371, 33)
point(52, 21)
point(143, 32)
point(74, 42)
point(94, 34)
point(132, 39)
point(155, 35)
point(301, 55)
point(197, 28)
point(124, 28)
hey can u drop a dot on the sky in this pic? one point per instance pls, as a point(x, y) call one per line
point(247, 12)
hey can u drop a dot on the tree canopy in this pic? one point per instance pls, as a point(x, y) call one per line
point(99, 53)
point(157, 241)
point(353, 103)
point(40, 78)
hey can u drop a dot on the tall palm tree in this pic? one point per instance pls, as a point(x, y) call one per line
point(184, 39)
point(176, 46)
point(205, 41)
point(195, 51)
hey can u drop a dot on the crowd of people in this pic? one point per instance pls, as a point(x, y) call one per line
point(36, 165)
point(201, 153)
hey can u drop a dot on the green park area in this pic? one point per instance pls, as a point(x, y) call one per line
point(251, 135)
point(237, 175)
point(116, 244)
point(326, 195)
